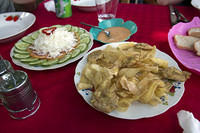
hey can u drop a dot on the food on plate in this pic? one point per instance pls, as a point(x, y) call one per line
point(197, 47)
point(195, 31)
point(117, 34)
point(130, 72)
point(185, 42)
point(190, 41)
point(52, 45)
point(174, 74)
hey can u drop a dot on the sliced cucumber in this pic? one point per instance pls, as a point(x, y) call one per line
point(65, 58)
point(37, 63)
point(57, 26)
point(20, 51)
point(28, 60)
point(28, 39)
point(84, 35)
point(21, 56)
point(82, 47)
point(22, 45)
point(75, 29)
point(35, 35)
point(81, 31)
point(85, 40)
point(50, 62)
point(68, 27)
point(76, 52)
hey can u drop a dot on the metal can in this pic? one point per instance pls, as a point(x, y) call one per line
point(21, 101)
point(63, 8)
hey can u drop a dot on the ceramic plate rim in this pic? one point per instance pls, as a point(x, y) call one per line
point(24, 29)
point(92, 2)
point(74, 3)
point(173, 100)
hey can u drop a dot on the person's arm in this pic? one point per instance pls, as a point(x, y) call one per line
point(168, 2)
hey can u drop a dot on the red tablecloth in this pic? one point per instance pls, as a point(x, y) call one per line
point(63, 109)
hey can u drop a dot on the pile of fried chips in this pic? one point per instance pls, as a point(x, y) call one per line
point(128, 73)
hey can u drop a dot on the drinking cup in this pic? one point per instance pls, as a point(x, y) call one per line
point(20, 100)
point(106, 9)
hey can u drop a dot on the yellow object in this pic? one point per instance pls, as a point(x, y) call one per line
point(126, 74)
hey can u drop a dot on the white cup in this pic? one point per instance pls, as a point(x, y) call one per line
point(106, 9)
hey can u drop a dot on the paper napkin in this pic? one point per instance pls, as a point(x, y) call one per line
point(188, 122)
point(50, 6)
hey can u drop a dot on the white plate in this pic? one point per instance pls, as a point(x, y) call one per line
point(136, 110)
point(12, 28)
point(84, 5)
point(38, 68)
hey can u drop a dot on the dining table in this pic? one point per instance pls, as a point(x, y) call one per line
point(62, 108)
